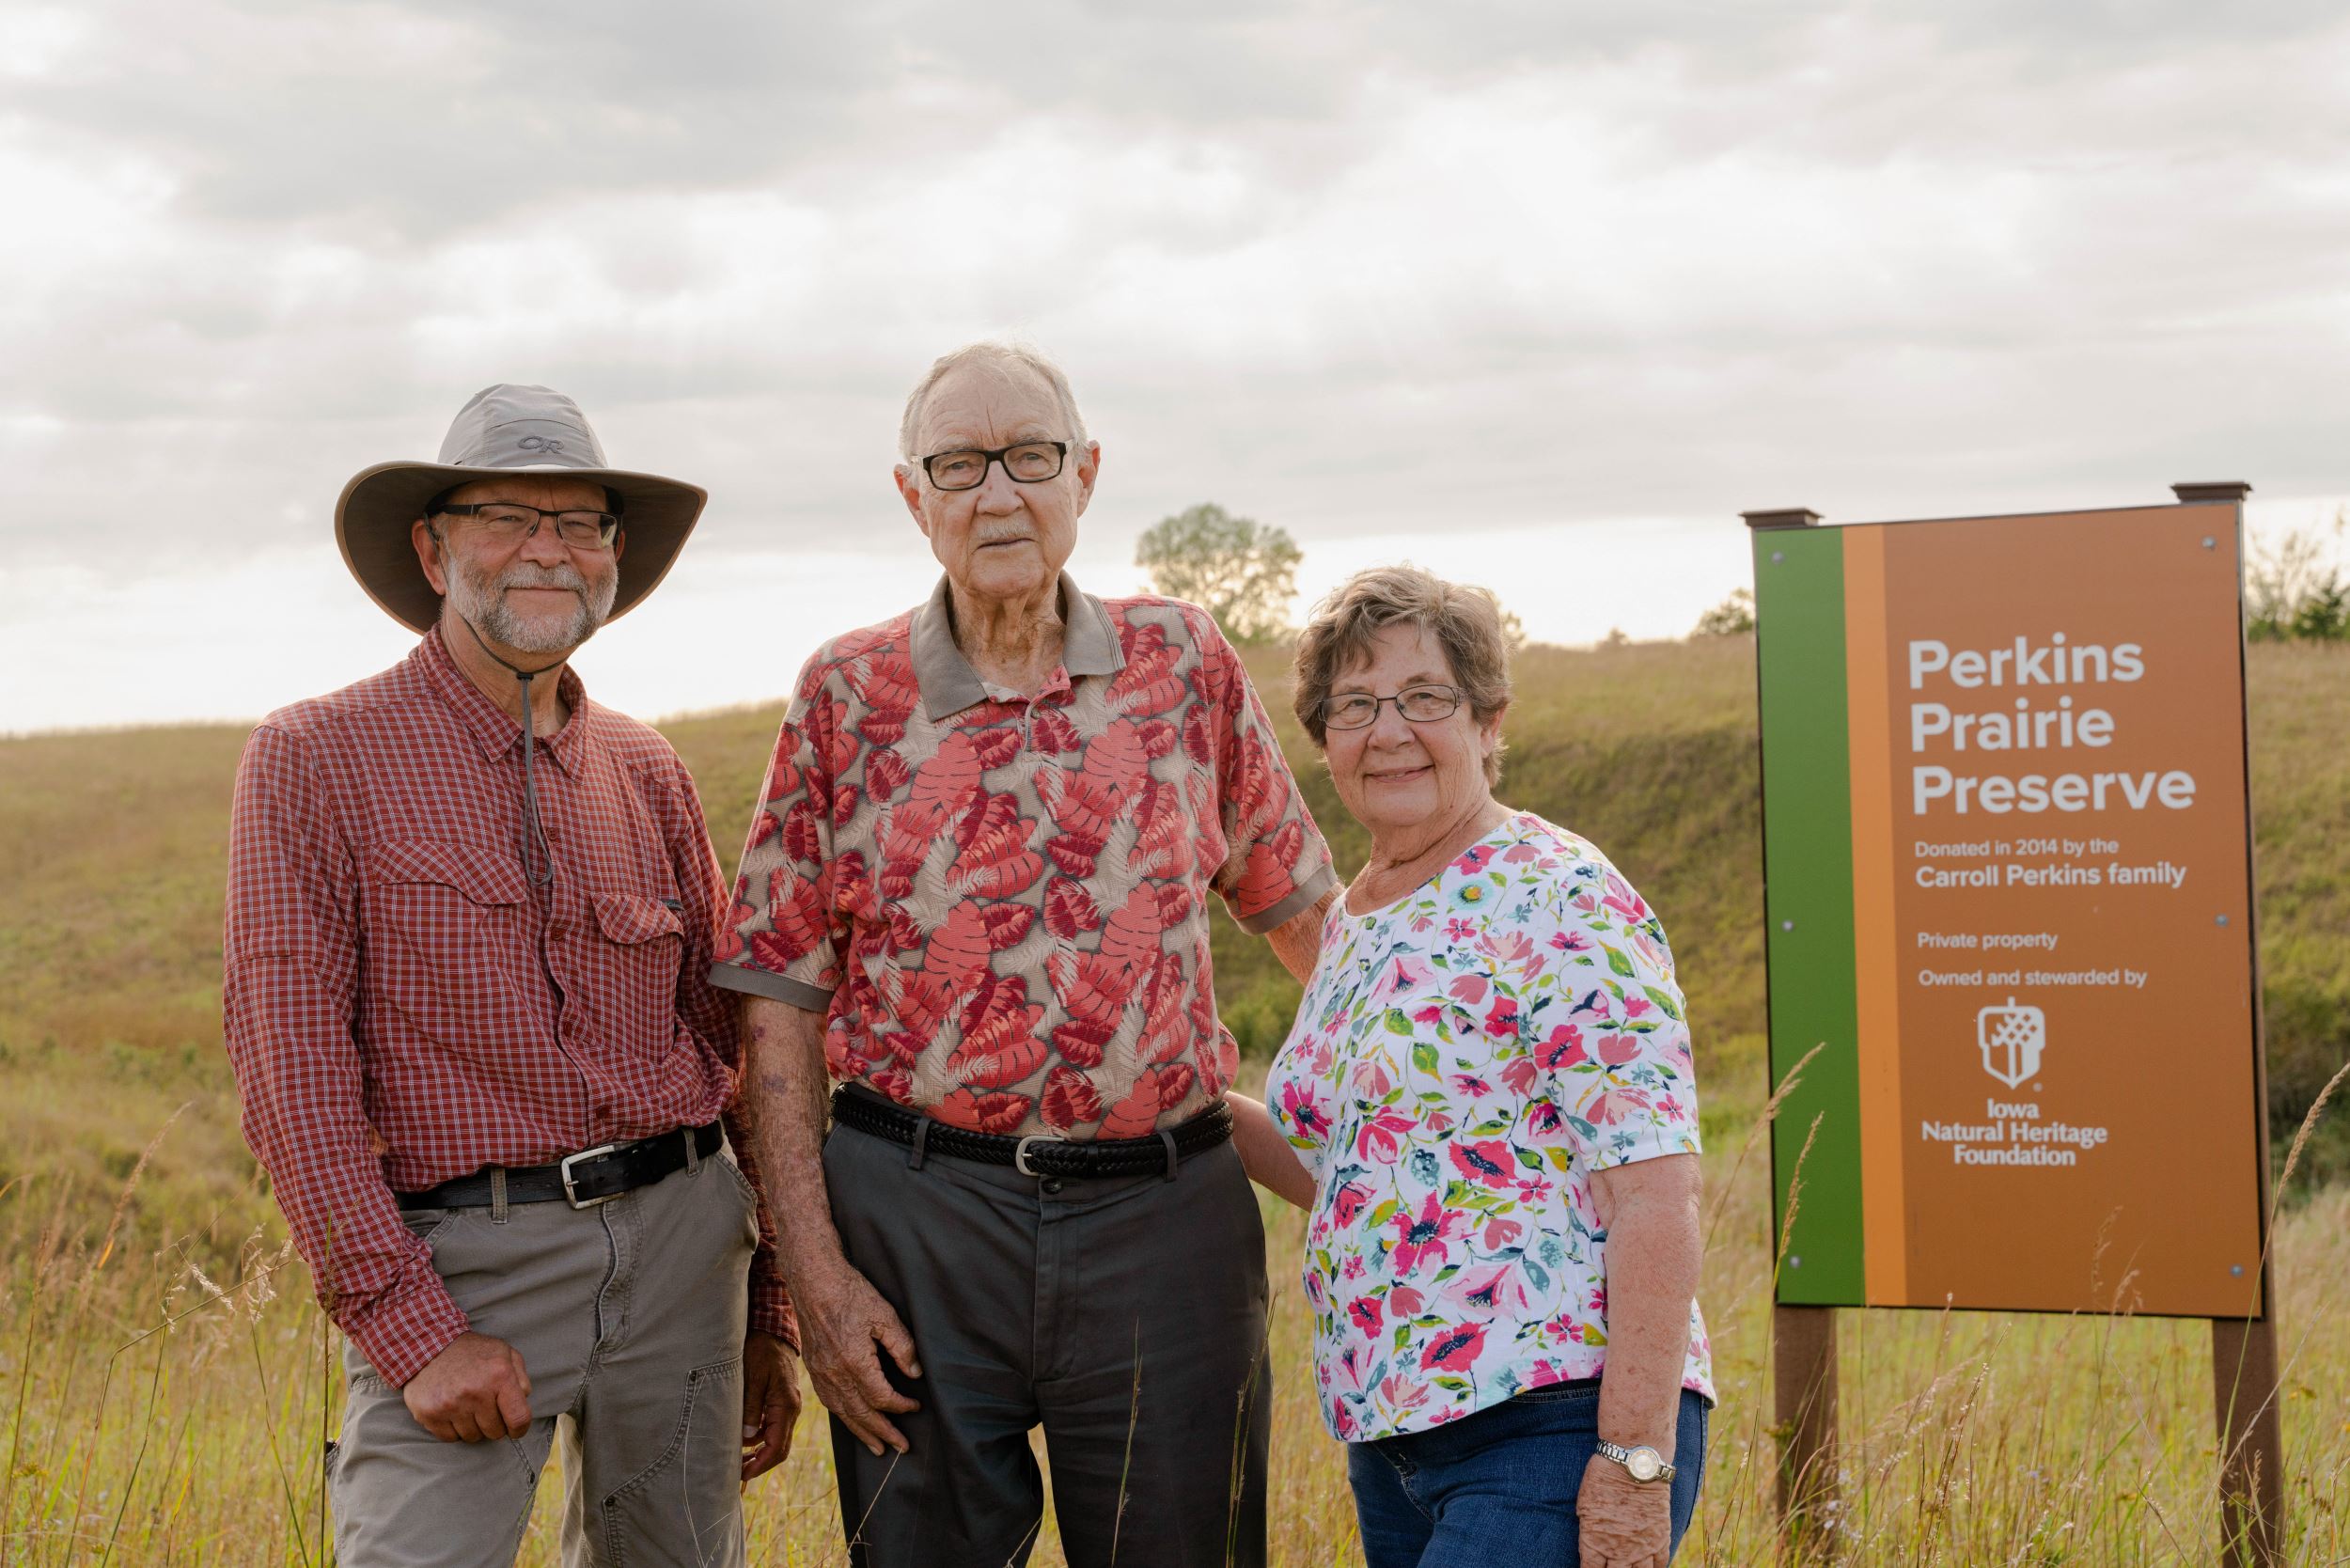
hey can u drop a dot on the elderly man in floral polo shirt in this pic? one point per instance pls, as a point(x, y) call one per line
point(976, 895)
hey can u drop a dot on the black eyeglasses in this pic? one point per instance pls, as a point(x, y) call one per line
point(510, 523)
point(1026, 462)
point(1417, 704)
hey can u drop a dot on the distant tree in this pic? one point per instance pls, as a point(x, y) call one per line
point(1615, 639)
point(1733, 617)
point(2296, 590)
point(1236, 568)
point(1513, 629)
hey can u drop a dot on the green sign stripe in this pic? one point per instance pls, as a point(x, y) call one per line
point(1807, 848)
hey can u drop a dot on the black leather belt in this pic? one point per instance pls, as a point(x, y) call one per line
point(1039, 1155)
point(584, 1180)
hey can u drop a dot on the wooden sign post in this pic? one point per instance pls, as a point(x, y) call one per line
point(2007, 856)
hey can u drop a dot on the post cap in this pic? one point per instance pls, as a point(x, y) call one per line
point(1782, 517)
point(2215, 490)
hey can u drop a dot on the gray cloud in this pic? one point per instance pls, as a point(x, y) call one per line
point(1347, 267)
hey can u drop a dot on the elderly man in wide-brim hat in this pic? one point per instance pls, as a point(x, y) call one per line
point(470, 919)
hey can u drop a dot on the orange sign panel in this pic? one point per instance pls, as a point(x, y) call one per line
point(2037, 1003)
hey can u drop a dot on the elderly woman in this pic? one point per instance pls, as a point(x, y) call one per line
point(1487, 1110)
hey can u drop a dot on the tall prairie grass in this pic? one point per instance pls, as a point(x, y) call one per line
point(163, 1409)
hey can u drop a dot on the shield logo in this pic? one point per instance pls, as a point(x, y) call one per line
point(2012, 1038)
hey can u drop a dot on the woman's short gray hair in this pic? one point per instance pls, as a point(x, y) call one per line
point(1344, 629)
point(1003, 356)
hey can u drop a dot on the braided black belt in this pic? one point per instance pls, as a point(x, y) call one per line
point(584, 1180)
point(865, 1112)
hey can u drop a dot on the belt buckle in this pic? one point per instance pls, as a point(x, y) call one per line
point(1020, 1152)
point(571, 1193)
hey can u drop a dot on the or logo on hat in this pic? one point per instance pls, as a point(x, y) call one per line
point(539, 443)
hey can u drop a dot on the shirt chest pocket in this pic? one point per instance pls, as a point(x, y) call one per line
point(640, 942)
point(448, 929)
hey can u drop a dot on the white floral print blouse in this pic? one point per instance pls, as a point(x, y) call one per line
point(1463, 1059)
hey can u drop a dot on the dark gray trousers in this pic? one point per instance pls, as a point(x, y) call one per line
point(1127, 1317)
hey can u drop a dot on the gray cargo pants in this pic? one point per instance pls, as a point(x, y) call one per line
point(630, 1319)
point(1126, 1316)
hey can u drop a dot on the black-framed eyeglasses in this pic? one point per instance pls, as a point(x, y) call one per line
point(1025, 463)
point(1417, 704)
point(510, 523)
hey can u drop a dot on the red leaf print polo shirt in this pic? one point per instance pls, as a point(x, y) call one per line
point(1000, 901)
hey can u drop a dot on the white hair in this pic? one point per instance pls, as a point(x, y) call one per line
point(1002, 355)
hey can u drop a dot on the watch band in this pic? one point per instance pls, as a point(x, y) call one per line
point(1644, 1462)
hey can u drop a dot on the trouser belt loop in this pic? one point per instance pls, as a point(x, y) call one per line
point(921, 1141)
point(1168, 1138)
point(692, 1151)
point(497, 1195)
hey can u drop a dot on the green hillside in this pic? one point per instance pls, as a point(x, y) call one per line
point(112, 850)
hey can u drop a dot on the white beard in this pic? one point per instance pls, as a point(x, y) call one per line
point(482, 603)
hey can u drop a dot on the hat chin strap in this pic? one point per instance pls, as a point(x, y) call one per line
point(543, 872)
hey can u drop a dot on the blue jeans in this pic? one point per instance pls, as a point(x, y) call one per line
point(1498, 1486)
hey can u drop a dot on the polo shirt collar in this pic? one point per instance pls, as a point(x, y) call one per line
point(494, 730)
point(949, 684)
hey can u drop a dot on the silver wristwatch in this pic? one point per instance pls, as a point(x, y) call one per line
point(1645, 1462)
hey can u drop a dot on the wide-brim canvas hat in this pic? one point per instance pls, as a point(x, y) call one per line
point(515, 430)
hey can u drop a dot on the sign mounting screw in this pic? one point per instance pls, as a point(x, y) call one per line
point(2210, 543)
point(2223, 920)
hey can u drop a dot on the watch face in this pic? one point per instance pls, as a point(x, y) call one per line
point(1644, 1465)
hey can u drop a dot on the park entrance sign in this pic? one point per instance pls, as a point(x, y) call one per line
point(2006, 841)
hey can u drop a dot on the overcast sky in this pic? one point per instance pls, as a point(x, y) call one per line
point(1536, 294)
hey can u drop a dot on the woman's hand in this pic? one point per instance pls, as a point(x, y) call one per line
point(1650, 1210)
point(1623, 1523)
point(1266, 1154)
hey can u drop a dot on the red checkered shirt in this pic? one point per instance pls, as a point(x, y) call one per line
point(405, 1007)
point(1001, 902)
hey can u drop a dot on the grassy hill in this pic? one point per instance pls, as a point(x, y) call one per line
point(112, 851)
point(1971, 1437)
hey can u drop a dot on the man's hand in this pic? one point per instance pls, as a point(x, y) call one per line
point(1623, 1523)
point(474, 1391)
point(771, 1402)
point(841, 1317)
